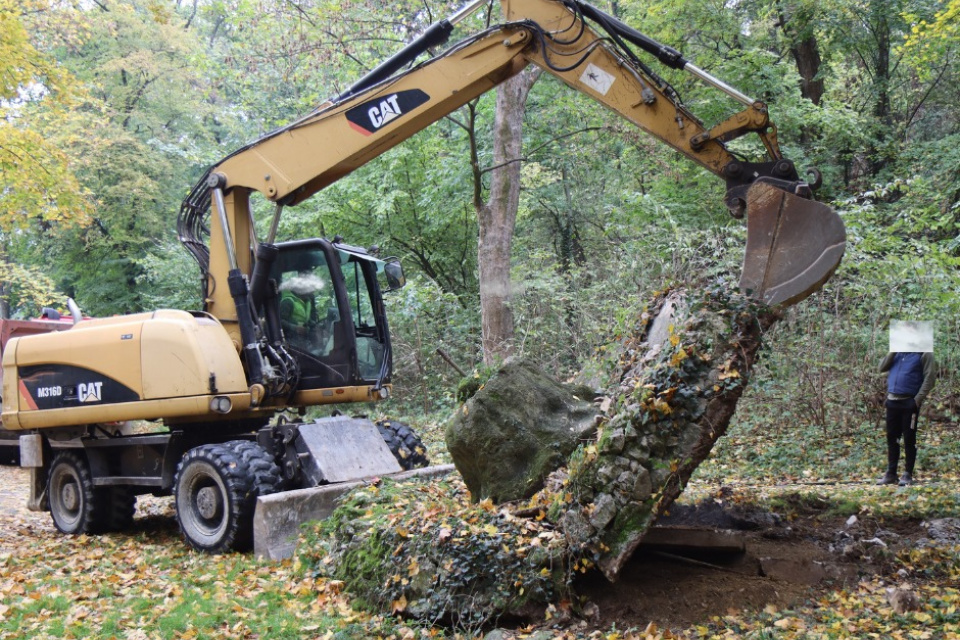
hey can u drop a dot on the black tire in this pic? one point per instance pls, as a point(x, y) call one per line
point(266, 474)
point(122, 505)
point(215, 493)
point(405, 445)
point(77, 507)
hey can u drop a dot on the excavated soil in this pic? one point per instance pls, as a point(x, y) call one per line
point(680, 590)
point(783, 562)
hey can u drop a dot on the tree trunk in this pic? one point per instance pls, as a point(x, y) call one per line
point(805, 51)
point(4, 288)
point(498, 216)
point(672, 384)
point(882, 32)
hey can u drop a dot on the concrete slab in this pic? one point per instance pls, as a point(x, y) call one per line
point(278, 517)
point(679, 539)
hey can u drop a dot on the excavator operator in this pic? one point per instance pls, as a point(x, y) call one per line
point(298, 309)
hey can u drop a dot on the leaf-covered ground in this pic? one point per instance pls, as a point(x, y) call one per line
point(146, 584)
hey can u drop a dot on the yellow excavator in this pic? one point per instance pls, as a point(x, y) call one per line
point(296, 324)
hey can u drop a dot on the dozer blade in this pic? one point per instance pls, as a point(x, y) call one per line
point(793, 245)
point(279, 517)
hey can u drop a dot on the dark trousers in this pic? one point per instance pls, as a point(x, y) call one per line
point(901, 421)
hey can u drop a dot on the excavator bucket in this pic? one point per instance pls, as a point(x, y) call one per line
point(793, 245)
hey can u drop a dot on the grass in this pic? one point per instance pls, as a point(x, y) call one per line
point(150, 586)
point(759, 452)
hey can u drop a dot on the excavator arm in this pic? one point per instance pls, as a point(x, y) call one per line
point(794, 243)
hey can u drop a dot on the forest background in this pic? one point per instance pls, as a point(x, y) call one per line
point(111, 110)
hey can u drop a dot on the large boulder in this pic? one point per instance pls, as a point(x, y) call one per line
point(516, 429)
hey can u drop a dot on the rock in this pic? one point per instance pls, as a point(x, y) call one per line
point(659, 331)
point(613, 441)
point(943, 529)
point(591, 612)
point(642, 487)
point(515, 430)
point(604, 510)
point(851, 521)
point(577, 529)
point(903, 599)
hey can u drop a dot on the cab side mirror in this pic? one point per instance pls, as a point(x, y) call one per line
point(394, 274)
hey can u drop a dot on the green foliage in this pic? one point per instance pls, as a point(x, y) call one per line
point(423, 319)
point(38, 189)
point(785, 451)
point(169, 279)
point(26, 291)
point(140, 97)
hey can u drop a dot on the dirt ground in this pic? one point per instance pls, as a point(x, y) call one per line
point(783, 562)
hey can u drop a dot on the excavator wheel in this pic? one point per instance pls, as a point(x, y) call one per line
point(215, 493)
point(121, 506)
point(266, 474)
point(405, 445)
point(75, 504)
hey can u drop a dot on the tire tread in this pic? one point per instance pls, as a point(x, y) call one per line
point(405, 445)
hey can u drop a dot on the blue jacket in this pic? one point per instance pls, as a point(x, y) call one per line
point(906, 374)
point(911, 374)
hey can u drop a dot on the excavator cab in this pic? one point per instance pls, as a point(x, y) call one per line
point(332, 314)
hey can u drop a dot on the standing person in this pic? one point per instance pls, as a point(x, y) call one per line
point(909, 381)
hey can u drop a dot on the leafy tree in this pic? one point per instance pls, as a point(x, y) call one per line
point(39, 190)
point(141, 136)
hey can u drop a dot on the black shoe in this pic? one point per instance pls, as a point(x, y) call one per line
point(890, 477)
point(906, 479)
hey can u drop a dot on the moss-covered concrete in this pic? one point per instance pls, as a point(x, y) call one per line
point(516, 429)
point(667, 400)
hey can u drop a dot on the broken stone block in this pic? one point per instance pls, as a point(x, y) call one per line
point(516, 429)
